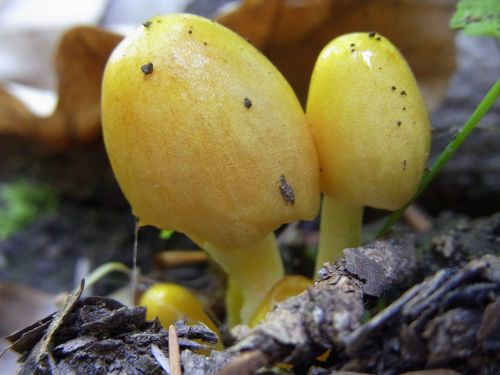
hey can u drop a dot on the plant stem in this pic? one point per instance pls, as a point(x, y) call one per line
point(448, 152)
point(340, 228)
point(253, 270)
point(101, 271)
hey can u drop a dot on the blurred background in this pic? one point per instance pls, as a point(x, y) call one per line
point(61, 211)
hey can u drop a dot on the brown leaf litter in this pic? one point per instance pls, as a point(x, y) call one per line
point(447, 320)
point(290, 33)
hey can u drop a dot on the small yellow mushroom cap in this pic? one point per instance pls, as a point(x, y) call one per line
point(369, 122)
point(287, 287)
point(171, 302)
point(204, 135)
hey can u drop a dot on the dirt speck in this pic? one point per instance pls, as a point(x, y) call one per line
point(247, 103)
point(147, 68)
point(286, 191)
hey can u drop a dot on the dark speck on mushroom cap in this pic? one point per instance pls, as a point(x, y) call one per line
point(147, 68)
point(286, 191)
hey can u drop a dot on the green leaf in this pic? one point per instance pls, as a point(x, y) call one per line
point(165, 234)
point(478, 17)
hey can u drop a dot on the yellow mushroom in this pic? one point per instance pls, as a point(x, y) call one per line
point(207, 138)
point(372, 132)
point(170, 302)
point(288, 286)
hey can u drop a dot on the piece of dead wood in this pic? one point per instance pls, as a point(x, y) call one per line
point(318, 319)
point(436, 323)
point(433, 324)
point(96, 335)
point(458, 239)
point(40, 359)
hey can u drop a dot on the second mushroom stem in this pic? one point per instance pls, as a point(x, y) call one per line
point(252, 272)
point(340, 228)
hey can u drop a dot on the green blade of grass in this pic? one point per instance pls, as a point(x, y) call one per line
point(447, 153)
point(101, 271)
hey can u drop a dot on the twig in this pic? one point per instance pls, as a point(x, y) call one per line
point(245, 363)
point(173, 351)
point(417, 219)
point(160, 358)
point(175, 258)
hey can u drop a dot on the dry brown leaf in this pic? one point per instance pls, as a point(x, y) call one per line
point(15, 118)
point(290, 32)
point(79, 62)
point(293, 32)
point(21, 305)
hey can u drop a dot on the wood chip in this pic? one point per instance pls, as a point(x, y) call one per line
point(176, 258)
point(160, 358)
point(417, 218)
point(173, 351)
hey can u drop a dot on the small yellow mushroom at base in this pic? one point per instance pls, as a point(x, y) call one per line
point(288, 286)
point(170, 302)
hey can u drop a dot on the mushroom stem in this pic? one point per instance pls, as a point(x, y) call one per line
point(340, 228)
point(234, 302)
point(251, 276)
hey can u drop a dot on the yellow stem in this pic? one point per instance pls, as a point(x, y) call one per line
point(253, 270)
point(340, 228)
point(234, 302)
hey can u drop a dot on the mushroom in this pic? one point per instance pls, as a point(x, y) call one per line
point(210, 141)
point(170, 302)
point(372, 133)
point(287, 287)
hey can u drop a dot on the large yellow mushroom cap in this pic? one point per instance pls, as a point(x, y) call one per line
point(369, 122)
point(204, 135)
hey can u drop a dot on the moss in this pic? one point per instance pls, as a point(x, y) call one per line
point(22, 202)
